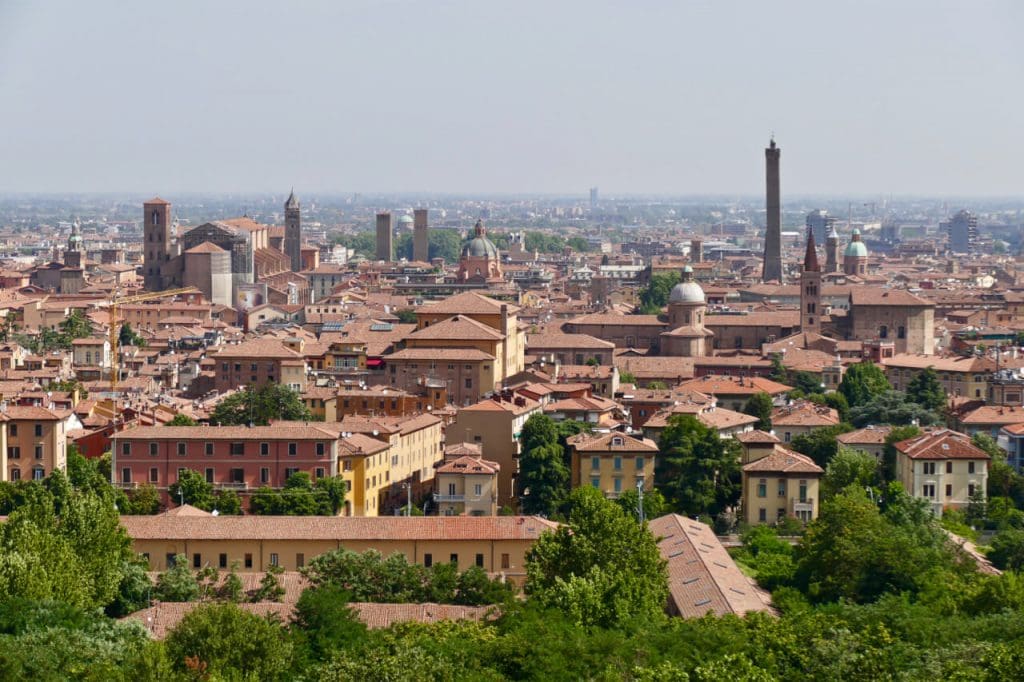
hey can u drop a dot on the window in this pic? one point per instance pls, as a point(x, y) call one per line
point(15, 474)
point(319, 473)
point(803, 491)
point(264, 475)
point(264, 449)
point(478, 489)
point(237, 448)
point(154, 475)
point(928, 490)
point(949, 467)
point(453, 558)
point(970, 490)
point(901, 332)
point(762, 488)
point(209, 474)
point(197, 560)
point(789, 436)
point(126, 449)
point(320, 449)
point(14, 452)
point(451, 488)
point(39, 430)
point(970, 467)
point(238, 475)
point(222, 560)
point(126, 475)
point(595, 482)
point(274, 560)
point(39, 452)
point(617, 485)
point(209, 449)
point(762, 514)
point(248, 560)
point(38, 474)
point(171, 559)
point(469, 383)
point(782, 487)
point(928, 468)
point(883, 332)
point(300, 560)
point(480, 560)
point(293, 449)
point(595, 463)
point(428, 559)
point(181, 450)
point(505, 561)
point(153, 449)
point(949, 490)
point(346, 465)
point(288, 471)
point(617, 463)
point(13, 430)
point(639, 463)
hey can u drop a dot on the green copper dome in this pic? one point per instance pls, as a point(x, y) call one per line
point(480, 246)
point(856, 249)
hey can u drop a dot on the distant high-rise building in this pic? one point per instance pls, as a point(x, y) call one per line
point(293, 232)
point(963, 233)
point(156, 237)
point(420, 236)
point(593, 199)
point(832, 263)
point(819, 220)
point(73, 255)
point(696, 250)
point(385, 245)
point(773, 234)
point(810, 289)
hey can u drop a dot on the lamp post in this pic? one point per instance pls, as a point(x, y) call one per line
point(408, 492)
point(640, 499)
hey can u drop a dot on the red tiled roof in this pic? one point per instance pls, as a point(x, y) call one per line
point(784, 461)
point(941, 444)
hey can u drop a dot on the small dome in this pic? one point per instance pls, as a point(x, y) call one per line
point(687, 268)
point(686, 292)
point(856, 250)
point(405, 220)
point(480, 246)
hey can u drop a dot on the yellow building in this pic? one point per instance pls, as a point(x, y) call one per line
point(36, 442)
point(959, 376)
point(498, 544)
point(780, 484)
point(364, 463)
point(942, 467)
point(612, 462)
point(467, 484)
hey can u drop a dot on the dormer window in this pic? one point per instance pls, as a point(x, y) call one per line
point(617, 441)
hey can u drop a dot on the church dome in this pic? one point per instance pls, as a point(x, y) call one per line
point(856, 248)
point(686, 292)
point(480, 246)
point(405, 220)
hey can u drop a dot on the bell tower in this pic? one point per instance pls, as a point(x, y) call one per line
point(156, 236)
point(293, 232)
point(810, 289)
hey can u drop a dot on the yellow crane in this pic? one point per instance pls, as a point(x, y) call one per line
point(115, 323)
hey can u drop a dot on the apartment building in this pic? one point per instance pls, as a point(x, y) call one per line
point(257, 362)
point(467, 485)
point(33, 441)
point(495, 424)
point(870, 439)
point(959, 376)
point(942, 467)
point(612, 462)
point(780, 483)
point(467, 374)
point(801, 417)
point(239, 458)
point(365, 465)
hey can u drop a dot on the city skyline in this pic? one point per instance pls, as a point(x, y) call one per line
point(451, 99)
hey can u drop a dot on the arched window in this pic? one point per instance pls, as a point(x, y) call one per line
point(883, 332)
point(156, 215)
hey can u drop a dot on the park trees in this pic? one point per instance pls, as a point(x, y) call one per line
point(601, 568)
point(543, 474)
point(259, 406)
point(849, 468)
point(697, 471)
point(926, 391)
point(862, 383)
point(820, 444)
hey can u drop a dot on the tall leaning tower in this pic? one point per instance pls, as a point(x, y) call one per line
point(773, 235)
point(293, 231)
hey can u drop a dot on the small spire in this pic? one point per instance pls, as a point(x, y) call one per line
point(292, 201)
point(811, 256)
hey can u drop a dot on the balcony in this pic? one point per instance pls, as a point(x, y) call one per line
point(449, 498)
point(127, 485)
point(233, 485)
point(805, 506)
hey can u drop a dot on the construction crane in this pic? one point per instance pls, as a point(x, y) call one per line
point(115, 324)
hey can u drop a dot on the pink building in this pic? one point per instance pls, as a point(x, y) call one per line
point(239, 458)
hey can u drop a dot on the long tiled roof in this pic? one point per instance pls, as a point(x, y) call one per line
point(785, 461)
point(467, 303)
point(545, 341)
point(336, 528)
point(875, 296)
point(702, 577)
point(730, 385)
point(459, 327)
point(941, 444)
point(606, 442)
point(316, 431)
point(258, 349)
point(473, 354)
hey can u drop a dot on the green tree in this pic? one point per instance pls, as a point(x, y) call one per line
point(324, 623)
point(142, 501)
point(178, 583)
point(601, 568)
point(807, 382)
point(862, 383)
point(259, 406)
point(270, 588)
point(697, 471)
point(892, 407)
point(182, 420)
point(444, 244)
point(837, 401)
point(1007, 552)
point(578, 244)
point(654, 503)
point(820, 444)
point(897, 434)
point(331, 492)
point(655, 296)
point(925, 390)
point(778, 372)
point(543, 475)
point(74, 326)
point(128, 337)
point(133, 593)
point(626, 377)
point(760, 406)
point(849, 468)
point(192, 488)
point(223, 641)
point(475, 588)
point(227, 502)
point(407, 316)
point(543, 242)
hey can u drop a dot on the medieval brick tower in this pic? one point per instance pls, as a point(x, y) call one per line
point(293, 232)
point(156, 235)
point(810, 288)
point(773, 235)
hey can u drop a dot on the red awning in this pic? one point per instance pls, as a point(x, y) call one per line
point(374, 362)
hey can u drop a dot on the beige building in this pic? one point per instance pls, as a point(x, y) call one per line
point(34, 442)
point(498, 544)
point(495, 425)
point(801, 417)
point(870, 439)
point(959, 376)
point(91, 352)
point(466, 484)
point(468, 374)
point(942, 467)
point(780, 484)
point(612, 462)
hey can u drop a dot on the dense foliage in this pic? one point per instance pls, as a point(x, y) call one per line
point(862, 383)
point(697, 471)
point(655, 295)
point(760, 406)
point(259, 406)
point(301, 496)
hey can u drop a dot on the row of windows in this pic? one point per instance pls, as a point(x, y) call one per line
point(928, 490)
point(762, 488)
point(595, 482)
point(37, 429)
point(300, 560)
point(38, 474)
point(236, 449)
point(14, 452)
point(234, 475)
point(762, 515)
point(595, 463)
point(929, 468)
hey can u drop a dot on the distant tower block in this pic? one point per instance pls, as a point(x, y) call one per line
point(73, 254)
point(832, 263)
point(156, 235)
point(420, 236)
point(593, 200)
point(696, 250)
point(773, 235)
point(385, 245)
point(293, 232)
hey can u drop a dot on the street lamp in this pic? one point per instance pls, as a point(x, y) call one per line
point(408, 492)
point(640, 499)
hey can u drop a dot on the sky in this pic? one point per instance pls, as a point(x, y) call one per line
point(865, 97)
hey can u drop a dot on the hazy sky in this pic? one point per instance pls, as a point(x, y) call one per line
point(464, 96)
